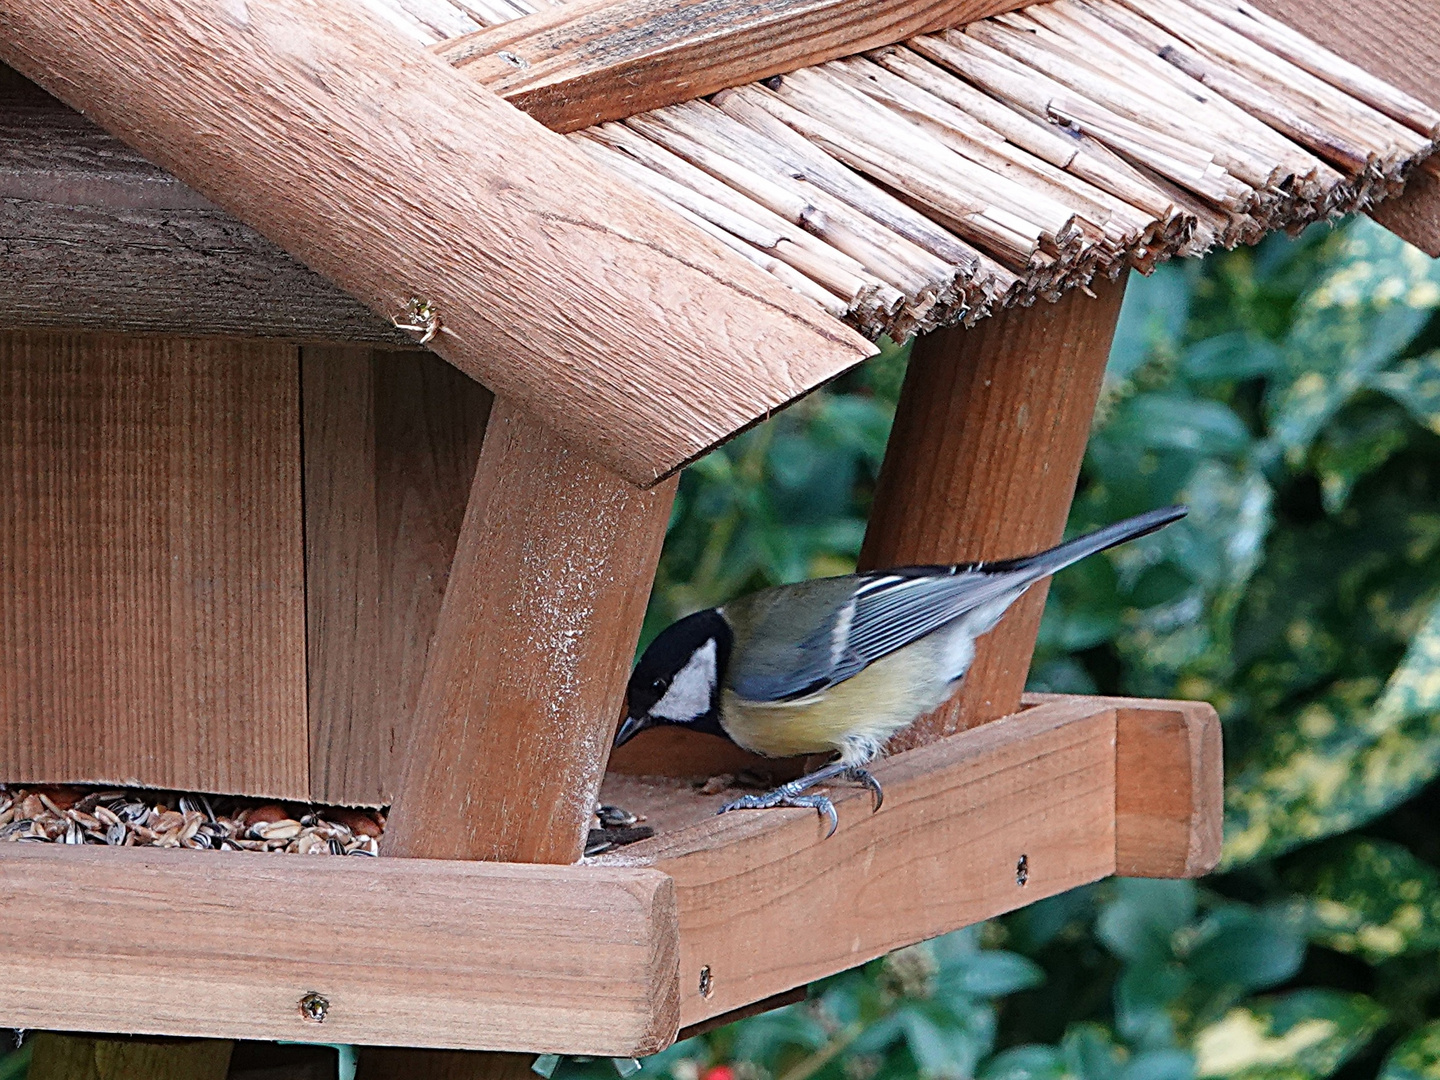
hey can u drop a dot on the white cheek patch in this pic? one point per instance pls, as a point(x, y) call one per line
point(691, 689)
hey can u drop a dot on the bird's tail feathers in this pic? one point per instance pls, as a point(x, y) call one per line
point(1057, 558)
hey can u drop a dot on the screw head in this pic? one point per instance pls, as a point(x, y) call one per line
point(1022, 870)
point(707, 982)
point(314, 1007)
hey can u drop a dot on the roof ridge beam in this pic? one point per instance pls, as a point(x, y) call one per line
point(609, 319)
point(577, 64)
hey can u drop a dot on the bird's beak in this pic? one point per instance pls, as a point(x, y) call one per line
point(629, 728)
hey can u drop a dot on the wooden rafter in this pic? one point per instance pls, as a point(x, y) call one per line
point(402, 181)
point(574, 65)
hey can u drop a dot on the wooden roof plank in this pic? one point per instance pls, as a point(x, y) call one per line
point(577, 64)
point(625, 329)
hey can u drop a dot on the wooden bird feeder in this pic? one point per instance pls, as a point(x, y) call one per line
point(256, 542)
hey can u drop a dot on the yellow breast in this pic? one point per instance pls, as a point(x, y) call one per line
point(885, 697)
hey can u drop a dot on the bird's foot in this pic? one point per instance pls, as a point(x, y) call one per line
point(787, 795)
point(865, 778)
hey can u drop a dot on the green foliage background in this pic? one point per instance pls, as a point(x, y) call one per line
point(1290, 394)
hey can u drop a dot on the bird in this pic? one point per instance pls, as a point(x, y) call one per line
point(837, 665)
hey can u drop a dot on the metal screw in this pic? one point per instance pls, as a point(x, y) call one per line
point(1022, 870)
point(707, 982)
point(512, 59)
point(314, 1007)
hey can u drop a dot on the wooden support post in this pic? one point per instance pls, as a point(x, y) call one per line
point(1398, 40)
point(982, 464)
point(525, 681)
point(526, 677)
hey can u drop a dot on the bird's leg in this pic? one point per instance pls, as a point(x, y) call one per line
point(792, 793)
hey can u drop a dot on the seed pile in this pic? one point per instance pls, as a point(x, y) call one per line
point(972, 170)
point(75, 815)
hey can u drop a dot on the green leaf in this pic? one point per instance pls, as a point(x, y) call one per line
point(992, 973)
point(1354, 322)
point(1363, 437)
point(1152, 317)
point(941, 1049)
point(1236, 355)
point(1243, 949)
point(1415, 384)
point(1140, 922)
point(1340, 765)
point(1304, 1035)
point(1368, 897)
point(1416, 1057)
point(1159, 1065)
point(1026, 1063)
point(1155, 421)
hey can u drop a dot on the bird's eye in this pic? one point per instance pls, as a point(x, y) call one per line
point(658, 684)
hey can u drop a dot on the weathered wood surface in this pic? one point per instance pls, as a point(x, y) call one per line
point(1169, 788)
point(151, 567)
point(576, 64)
point(83, 1057)
point(391, 443)
point(943, 852)
point(92, 236)
point(525, 681)
point(405, 952)
point(1398, 40)
point(403, 181)
point(982, 463)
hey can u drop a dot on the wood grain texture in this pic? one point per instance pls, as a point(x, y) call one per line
point(1169, 789)
point(151, 578)
point(526, 678)
point(576, 64)
point(92, 236)
point(767, 903)
point(391, 442)
point(405, 951)
point(83, 1057)
point(402, 180)
point(1398, 40)
point(982, 464)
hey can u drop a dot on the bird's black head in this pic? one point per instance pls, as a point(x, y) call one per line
point(677, 680)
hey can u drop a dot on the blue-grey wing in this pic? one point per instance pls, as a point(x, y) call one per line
point(874, 615)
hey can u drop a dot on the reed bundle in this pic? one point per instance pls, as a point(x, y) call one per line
point(940, 179)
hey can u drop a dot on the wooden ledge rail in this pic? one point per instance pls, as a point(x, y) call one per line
point(396, 952)
point(577, 64)
point(974, 825)
point(614, 956)
point(630, 332)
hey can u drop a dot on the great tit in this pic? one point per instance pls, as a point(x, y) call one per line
point(837, 665)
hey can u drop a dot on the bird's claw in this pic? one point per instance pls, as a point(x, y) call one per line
point(783, 797)
point(865, 778)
